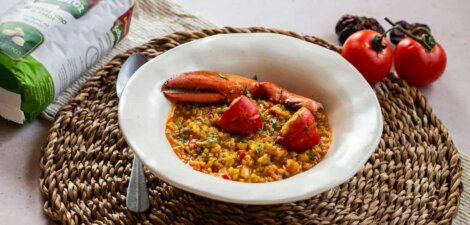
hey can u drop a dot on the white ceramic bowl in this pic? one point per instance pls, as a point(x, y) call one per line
point(299, 66)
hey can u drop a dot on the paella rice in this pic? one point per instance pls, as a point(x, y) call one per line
point(197, 140)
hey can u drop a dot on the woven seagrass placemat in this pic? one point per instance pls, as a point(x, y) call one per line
point(413, 177)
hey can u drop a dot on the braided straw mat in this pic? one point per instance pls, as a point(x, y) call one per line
point(413, 177)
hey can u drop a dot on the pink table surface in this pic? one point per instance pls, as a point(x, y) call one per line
point(20, 200)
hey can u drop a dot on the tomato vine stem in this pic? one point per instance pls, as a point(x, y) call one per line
point(377, 40)
point(377, 43)
point(427, 42)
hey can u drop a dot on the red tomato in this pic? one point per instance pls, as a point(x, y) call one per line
point(416, 65)
point(373, 63)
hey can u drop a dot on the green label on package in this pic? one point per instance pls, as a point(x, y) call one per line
point(17, 40)
point(45, 45)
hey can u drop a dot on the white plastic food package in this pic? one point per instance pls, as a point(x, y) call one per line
point(45, 45)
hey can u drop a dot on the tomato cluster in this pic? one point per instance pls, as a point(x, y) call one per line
point(417, 60)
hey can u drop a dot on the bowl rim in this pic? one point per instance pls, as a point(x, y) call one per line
point(209, 194)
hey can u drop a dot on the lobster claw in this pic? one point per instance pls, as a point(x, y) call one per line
point(207, 87)
point(273, 92)
point(216, 87)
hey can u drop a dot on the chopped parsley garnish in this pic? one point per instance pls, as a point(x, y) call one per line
point(247, 93)
point(183, 139)
point(199, 151)
point(273, 122)
point(211, 134)
point(231, 91)
point(223, 76)
point(311, 155)
point(281, 124)
point(210, 141)
point(258, 148)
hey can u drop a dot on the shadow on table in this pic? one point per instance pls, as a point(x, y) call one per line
point(20, 150)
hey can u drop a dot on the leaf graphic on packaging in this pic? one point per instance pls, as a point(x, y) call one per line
point(18, 40)
point(8, 32)
point(19, 31)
